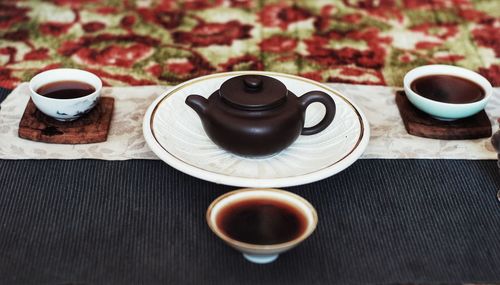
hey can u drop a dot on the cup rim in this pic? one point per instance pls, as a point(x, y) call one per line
point(310, 227)
point(44, 73)
point(438, 69)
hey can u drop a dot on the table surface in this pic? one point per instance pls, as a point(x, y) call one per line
point(141, 221)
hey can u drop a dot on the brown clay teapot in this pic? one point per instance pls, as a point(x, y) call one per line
point(255, 115)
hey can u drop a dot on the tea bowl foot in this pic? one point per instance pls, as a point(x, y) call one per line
point(260, 259)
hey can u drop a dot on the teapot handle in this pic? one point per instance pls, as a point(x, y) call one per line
point(323, 98)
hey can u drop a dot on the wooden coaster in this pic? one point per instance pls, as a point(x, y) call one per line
point(421, 124)
point(92, 127)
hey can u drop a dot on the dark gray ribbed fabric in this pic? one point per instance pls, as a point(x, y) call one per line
point(3, 94)
point(142, 222)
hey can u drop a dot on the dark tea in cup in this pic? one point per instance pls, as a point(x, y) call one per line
point(448, 89)
point(262, 221)
point(67, 89)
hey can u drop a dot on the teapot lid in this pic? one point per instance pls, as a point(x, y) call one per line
point(253, 92)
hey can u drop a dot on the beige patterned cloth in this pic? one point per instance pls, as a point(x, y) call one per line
point(388, 135)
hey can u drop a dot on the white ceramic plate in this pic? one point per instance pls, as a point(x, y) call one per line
point(174, 132)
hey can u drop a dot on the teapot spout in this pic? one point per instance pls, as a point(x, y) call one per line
point(198, 103)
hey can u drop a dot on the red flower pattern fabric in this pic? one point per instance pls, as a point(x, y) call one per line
point(139, 42)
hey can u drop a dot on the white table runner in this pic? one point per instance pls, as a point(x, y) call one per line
point(389, 138)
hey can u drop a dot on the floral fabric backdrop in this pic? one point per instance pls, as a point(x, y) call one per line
point(142, 42)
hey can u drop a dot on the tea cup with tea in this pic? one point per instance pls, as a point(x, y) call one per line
point(65, 94)
point(261, 223)
point(447, 92)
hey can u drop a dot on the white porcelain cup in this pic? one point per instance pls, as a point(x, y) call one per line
point(65, 109)
point(258, 253)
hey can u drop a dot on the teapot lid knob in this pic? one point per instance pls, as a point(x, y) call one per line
point(252, 82)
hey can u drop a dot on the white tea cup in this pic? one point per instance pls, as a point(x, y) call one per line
point(65, 109)
point(261, 253)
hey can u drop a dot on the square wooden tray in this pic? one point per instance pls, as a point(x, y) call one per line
point(92, 127)
point(421, 124)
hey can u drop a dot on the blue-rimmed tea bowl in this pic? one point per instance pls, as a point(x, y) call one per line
point(441, 110)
